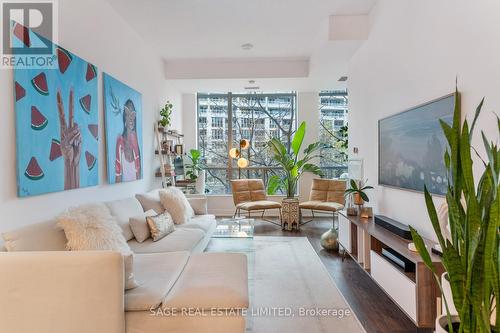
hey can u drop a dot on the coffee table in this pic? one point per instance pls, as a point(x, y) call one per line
point(234, 228)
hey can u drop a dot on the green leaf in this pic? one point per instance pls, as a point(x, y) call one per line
point(422, 249)
point(364, 196)
point(354, 186)
point(476, 115)
point(298, 138)
point(274, 184)
point(431, 211)
point(195, 154)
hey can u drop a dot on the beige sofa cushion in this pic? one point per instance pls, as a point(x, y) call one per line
point(151, 200)
point(182, 239)
point(92, 228)
point(202, 222)
point(123, 210)
point(176, 203)
point(140, 227)
point(202, 286)
point(45, 236)
point(157, 273)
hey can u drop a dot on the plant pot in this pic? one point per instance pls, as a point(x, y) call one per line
point(358, 200)
point(200, 182)
point(290, 214)
point(442, 323)
point(445, 284)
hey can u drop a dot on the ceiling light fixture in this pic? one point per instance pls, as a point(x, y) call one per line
point(247, 46)
point(343, 79)
point(251, 81)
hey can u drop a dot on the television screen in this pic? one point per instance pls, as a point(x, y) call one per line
point(412, 146)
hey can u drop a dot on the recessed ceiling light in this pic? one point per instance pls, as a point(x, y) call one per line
point(251, 81)
point(343, 79)
point(247, 46)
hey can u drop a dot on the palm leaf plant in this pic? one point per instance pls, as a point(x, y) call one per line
point(293, 167)
point(471, 252)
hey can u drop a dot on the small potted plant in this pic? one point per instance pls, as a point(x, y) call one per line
point(357, 193)
point(166, 115)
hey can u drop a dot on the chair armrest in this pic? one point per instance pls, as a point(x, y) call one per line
point(62, 291)
point(199, 205)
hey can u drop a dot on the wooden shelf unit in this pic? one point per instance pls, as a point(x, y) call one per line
point(416, 293)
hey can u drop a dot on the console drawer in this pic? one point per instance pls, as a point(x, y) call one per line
point(398, 286)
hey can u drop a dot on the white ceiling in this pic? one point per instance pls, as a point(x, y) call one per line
point(201, 29)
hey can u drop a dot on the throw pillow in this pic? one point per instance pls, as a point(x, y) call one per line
point(150, 200)
point(140, 227)
point(176, 203)
point(92, 227)
point(160, 225)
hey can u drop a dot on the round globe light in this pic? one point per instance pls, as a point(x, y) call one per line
point(244, 144)
point(234, 152)
point(242, 162)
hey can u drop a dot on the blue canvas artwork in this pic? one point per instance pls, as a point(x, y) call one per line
point(123, 116)
point(56, 124)
point(412, 146)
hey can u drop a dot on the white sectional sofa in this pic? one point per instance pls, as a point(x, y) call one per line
point(181, 289)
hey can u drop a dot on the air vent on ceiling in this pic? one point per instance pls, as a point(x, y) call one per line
point(252, 88)
point(343, 79)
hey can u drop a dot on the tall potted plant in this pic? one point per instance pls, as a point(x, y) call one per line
point(194, 170)
point(471, 251)
point(293, 167)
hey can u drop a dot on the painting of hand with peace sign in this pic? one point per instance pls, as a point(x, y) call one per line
point(71, 143)
point(57, 124)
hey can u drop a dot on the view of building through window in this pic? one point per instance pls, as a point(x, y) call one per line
point(333, 132)
point(231, 117)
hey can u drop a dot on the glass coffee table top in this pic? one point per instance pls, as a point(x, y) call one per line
point(234, 228)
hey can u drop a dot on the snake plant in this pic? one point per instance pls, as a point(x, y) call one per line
point(471, 251)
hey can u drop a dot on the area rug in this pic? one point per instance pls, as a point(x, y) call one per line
point(290, 289)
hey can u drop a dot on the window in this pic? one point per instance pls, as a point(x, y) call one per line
point(217, 134)
point(256, 117)
point(333, 132)
point(217, 121)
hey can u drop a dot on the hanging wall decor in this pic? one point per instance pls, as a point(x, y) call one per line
point(123, 116)
point(56, 123)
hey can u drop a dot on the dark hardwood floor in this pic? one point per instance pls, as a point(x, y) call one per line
point(376, 311)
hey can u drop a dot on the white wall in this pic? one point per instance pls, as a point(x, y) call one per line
point(307, 108)
point(94, 31)
point(413, 54)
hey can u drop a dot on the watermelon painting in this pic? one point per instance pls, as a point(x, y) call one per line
point(56, 142)
point(91, 72)
point(20, 91)
point(22, 33)
point(85, 103)
point(33, 170)
point(39, 82)
point(63, 59)
point(55, 150)
point(91, 160)
point(38, 120)
point(94, 130)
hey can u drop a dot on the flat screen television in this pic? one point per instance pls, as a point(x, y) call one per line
point(412, 146)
